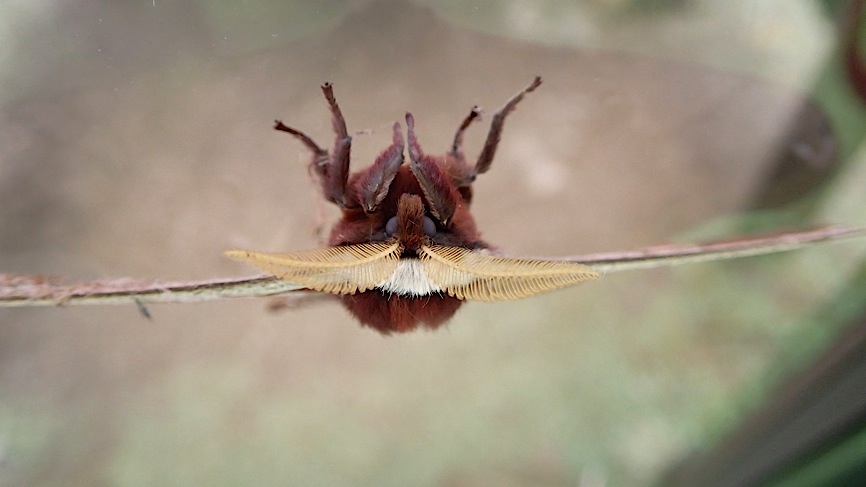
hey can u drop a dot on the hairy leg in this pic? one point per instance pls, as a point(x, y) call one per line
point(489, 150)
point(460, 172)
point(372, 184)
point(338, 165)
point(435, 184)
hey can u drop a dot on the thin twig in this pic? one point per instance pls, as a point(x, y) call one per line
point(18, 290)
point(28, 290)
point(677, 254)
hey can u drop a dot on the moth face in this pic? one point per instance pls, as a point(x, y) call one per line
point(405, 215)
point(406, 251)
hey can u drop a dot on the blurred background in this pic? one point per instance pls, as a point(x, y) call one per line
point(136, 141)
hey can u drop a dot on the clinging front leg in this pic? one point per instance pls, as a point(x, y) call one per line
point(372, 185)
point(440, 193)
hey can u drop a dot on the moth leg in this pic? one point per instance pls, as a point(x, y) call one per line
point(485, 159)
point(457, 145)
point(332, 170)
point(318, 165)
point(441, 195)
point(337, 173)
point(308, 142)
point(372, 184)
point(320, 156)
point(461, 173)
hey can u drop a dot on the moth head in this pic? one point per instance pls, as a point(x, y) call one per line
point(411, 226)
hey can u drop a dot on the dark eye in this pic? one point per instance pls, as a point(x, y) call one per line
point(429, 227)
point(391, 226)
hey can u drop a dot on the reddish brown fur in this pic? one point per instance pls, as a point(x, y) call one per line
point(369, 187)
point(457, 170)
point(437, 187)
point(410, 227)
point(398, 314)
point(433, 177)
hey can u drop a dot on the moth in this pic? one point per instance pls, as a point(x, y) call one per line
point(406, 252)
